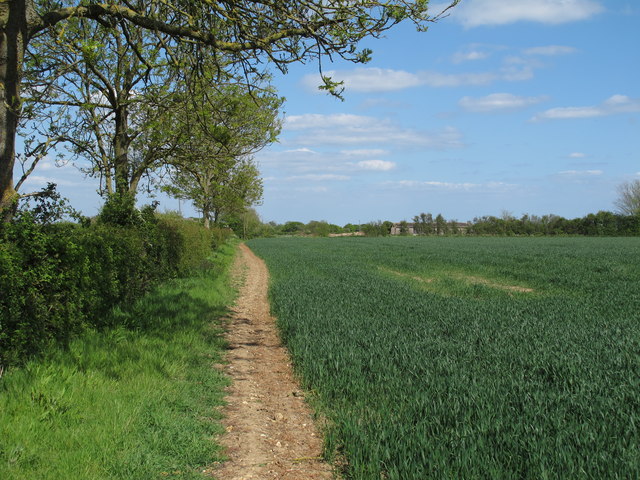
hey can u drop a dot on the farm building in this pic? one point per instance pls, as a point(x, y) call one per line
point(405, 228)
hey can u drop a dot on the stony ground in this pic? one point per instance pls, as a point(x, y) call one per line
point(270, 430)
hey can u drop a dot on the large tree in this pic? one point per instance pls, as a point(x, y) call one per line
point(215, 131)
point(248, 31)
point(220, 188)
point(628, 201)
point(112, 81)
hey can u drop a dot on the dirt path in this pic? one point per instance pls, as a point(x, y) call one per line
point(270, 432)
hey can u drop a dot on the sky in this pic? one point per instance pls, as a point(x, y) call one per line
point(520, 106)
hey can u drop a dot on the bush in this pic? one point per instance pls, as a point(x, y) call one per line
point(197, 242)
point(41, 271)
point(57, 279)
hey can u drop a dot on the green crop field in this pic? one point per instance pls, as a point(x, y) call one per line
point(466, 357)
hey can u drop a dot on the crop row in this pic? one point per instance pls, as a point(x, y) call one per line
point(467, 358)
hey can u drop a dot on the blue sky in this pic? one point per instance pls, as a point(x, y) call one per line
point(524, 106)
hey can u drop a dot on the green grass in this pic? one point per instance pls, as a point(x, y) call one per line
point(427, 364)
point(131, 403)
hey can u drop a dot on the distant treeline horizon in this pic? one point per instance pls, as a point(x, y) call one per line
point(603, 223)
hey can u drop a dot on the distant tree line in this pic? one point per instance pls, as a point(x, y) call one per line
point(626, 222)
point(601, 223)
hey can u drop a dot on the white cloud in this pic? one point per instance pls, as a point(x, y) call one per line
point(615, 104)
point(323, 166)
point(550, 50)
point(577, 155)
point(46, 164)
point(318, 120)
point(371, 80)
point(318, 177)
point(37, 181)
point(471, 55)
point(349, 129)
point(300, 150)
point(364, 152)
point(498, 102)
point(368, 80)
point(378, 165)
point(475, 13)
point(453, 186)
point(581, 173)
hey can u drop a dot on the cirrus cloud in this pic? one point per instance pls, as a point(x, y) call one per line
point(476, 13)
point(550, 50)
point(497, 102)
point(377, 165)
point(614, 105)
point(367, 131)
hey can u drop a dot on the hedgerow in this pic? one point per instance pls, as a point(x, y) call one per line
point(58, 278)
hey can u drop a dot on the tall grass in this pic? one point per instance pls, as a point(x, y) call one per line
point(139, 401)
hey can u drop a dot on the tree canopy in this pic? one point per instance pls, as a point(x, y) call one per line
point(243, 33)
point(628, 201)
point(213, 132)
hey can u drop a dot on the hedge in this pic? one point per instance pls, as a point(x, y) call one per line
point(57, 279)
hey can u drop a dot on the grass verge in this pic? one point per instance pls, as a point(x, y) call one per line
point(132, 403)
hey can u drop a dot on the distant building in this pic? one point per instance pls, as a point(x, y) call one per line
point(405, 228)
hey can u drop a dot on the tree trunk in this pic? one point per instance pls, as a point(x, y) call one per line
point(133, 183)
point(14, 16)
point(121, 143)
point(206, 216)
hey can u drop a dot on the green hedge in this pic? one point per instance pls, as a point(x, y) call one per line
point(58, 279)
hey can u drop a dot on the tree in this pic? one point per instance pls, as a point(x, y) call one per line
point(423, 224)
point(318, 228)
point(219, 187)
point(114, 80)
point(441, 225)
point(292, 227)
point(247, 31)
point(248, 224)
point(377, 228)
point(215, 132)
point(628, 201)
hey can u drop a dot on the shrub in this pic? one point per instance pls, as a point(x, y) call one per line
point(58, 278)
point(41, 271)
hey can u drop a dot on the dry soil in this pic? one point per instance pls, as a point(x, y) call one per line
point(270, 433)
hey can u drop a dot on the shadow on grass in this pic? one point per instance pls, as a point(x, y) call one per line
point(155, 332)
point(172, 308)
